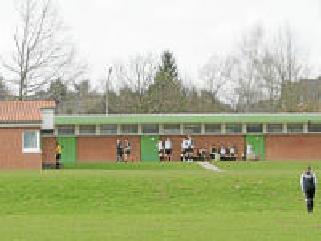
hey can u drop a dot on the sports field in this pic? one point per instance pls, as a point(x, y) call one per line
point(158, 201)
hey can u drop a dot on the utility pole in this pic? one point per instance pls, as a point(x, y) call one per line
point(110, 69)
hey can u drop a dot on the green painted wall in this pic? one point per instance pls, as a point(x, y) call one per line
point(69, 149)
point(149, 148)
point(258, 143)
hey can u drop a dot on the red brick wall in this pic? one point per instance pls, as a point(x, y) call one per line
point(293, 147)
point(49, 149)
point(206, 141)
point(103, 149)
point(11, 156)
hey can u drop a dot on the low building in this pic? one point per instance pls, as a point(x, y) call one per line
point(21, 125)
point(275, 137)
point(29, 131)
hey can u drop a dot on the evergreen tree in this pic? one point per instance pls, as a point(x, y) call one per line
point(164, 94)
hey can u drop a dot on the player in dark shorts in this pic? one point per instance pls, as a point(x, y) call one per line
point(308, 182)
point(119, 154)
point(161, 150)
point(168, 149)
point(58, 155)
point(190, 150)
point(127, 149)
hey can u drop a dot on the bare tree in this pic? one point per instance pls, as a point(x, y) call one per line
point(247, 81)
point(41, 50)
point(136, 74)
point(289, 66)
point(216, 74)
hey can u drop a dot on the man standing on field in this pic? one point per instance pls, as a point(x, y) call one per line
point(308, 182)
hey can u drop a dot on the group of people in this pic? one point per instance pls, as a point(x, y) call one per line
point(187, 149)
point(123, 150)
point(224, 153)
point(218, 151)
point(165, 149)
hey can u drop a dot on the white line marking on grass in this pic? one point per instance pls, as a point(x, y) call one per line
point(209, 166)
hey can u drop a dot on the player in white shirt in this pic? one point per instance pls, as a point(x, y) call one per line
point(190, 149)
point(222, 152)
point(184, 146)
point(160, 149)
point(168, 149)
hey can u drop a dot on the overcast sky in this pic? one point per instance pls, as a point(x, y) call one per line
point(106, 30)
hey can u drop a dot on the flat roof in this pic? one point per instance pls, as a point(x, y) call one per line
point(189, 118)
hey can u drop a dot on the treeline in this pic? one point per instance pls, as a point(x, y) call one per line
point(265, 72)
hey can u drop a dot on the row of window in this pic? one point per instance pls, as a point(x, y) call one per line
point(187, 129)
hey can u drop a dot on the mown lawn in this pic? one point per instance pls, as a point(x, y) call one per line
point(153, 201)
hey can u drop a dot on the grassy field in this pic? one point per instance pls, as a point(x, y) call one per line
point(153, 201)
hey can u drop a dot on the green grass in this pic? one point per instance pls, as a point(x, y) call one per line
point(153, 201)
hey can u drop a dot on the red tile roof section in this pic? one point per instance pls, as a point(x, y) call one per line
point(20, 111)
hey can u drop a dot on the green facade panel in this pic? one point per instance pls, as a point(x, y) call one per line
point(149, 148)
point(258, 143)
point(206, 118)
point(69, 149)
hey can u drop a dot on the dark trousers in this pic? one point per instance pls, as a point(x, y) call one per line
point(309, 194)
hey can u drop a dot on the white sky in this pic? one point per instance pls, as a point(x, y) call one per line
point(105, 30)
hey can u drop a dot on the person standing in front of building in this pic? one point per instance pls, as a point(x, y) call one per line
point(168, 149)
point(161, 150)
point(308, 182)
point(127, 150)
point(119, 153)
point(58, 155)
point(190, 143)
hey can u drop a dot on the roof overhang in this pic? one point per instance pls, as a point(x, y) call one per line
point(189, 118)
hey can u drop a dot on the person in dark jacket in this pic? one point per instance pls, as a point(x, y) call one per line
point(308, 182)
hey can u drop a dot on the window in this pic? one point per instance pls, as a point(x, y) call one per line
point(150, 129)
point(108, 129)
point(274, 128)
point(233, 128)
point(314, 127)
point(295, 128)
point(129, 129)
point(213, 128)
point(87, 129)
point(66, 130)
point(253, 128)
point(172, 129)
point(192, 128)
point(30, 142)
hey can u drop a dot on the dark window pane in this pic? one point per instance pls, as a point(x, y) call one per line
point(274, 128)
point(108, 129)
point(314, 127)
point(253, 128)
point(172, 129)
point(150, 128)
point(66, 130)
point(192, 128)
point(295, 128)
point(129, 129)
point(87, 129)
point(213, 128)
point(233, 128)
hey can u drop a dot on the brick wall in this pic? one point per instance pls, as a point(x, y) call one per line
point(293, 147)
point(11, 155)
point(103, 149)
point(49, 149)
point(206, 141)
